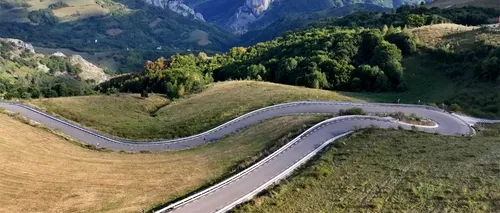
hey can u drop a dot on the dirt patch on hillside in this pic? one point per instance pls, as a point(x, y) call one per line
point(155, 22)
point(462, 3)
point(200, 37)
point(83, 11)
point(114, 32)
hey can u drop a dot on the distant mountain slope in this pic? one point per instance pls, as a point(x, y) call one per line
point(292, 22)
point(461, 3)
point(129, 24)
point(241, 15)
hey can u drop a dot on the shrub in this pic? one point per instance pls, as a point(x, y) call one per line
point(455, 108)
point(352, 111)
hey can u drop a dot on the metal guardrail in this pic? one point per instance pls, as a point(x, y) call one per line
point(258, 164)
point(178, 140)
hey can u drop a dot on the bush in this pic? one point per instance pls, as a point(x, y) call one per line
point(455, 108)
point(352, 111)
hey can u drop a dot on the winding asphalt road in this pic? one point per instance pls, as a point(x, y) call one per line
point(244, 185)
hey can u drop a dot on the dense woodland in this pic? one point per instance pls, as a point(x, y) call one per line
point(329, 58)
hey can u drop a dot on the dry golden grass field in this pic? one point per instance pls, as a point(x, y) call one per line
point(42, 172)
point(454, 36)
point(463, 3)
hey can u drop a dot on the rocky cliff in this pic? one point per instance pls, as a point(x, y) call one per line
point(250, 12)
point(89, 70)
point(177, 7)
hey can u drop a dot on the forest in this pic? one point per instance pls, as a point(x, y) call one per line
point(328, 58)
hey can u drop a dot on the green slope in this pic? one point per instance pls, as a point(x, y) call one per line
point(131, 25)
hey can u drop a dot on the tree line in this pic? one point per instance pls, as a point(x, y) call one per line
point(328, 58)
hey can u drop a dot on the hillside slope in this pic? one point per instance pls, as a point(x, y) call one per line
point(64, 177)
point(130, 116)
point(244, 15)
point(462, 3)
point(129, 24)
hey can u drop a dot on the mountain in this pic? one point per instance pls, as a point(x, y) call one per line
point(292, 22)
point(495, 4)
point(107, 25)
point(243, 15)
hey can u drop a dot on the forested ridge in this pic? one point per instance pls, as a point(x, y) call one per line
point(410, 16)
point(328, 58)
point(363, 55)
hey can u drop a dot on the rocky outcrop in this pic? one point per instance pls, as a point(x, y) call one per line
point(20, 44)
point(250, 12)
point(90, 71)
point(175, 6)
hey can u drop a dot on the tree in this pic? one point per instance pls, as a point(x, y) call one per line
point(356, 84)
point(382, 83)
point(317, 80)
point(490, 68)
point(414, 20)
point(286, 67)
point(61, 89)
point(35, 92)
point(388, 57)
point(404, 40)
point(256, 70)
point(338, 73)
point(369, 40)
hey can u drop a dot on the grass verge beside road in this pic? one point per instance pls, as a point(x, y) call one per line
point(129, 116)
point(393, 171)
point(41, 172)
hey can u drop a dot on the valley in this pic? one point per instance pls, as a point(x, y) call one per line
point(249, 106)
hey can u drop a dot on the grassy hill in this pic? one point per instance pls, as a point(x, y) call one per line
point(463, 54)
point(462, 3)
point(64, 177)
point(130, 116)
point(393, 171)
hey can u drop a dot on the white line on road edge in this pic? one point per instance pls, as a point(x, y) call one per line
point(282, 175)
point(436, 125)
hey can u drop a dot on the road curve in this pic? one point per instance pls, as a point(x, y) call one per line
point(448, 124)
point(234, 190)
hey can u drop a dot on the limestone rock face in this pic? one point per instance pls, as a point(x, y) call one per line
point(19, 44)
point(90, 71)
point(177, 7)
point(250, 12)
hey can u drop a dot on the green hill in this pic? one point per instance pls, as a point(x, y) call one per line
point(461, 3)
point(130, 116)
